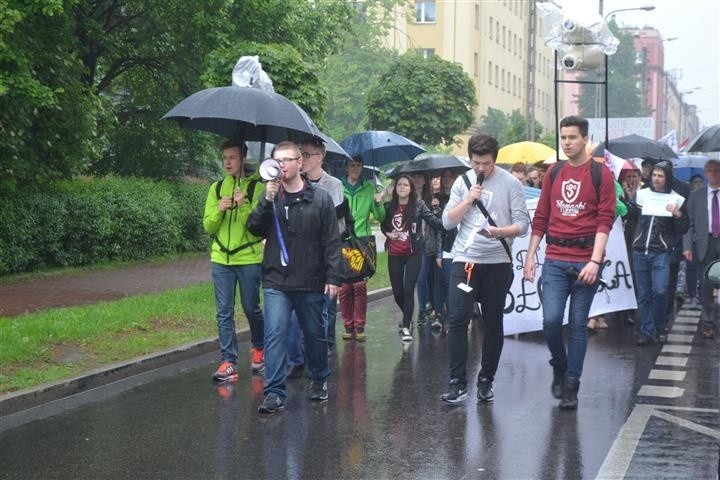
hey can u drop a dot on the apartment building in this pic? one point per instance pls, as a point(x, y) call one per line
point(489, 38)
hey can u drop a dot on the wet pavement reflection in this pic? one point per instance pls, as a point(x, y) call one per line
point(384, 419)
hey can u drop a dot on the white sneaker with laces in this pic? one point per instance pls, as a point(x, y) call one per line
point(406, 335)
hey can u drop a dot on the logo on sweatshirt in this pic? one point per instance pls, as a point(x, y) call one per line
point(570, 190)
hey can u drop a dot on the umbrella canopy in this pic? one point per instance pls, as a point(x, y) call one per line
point(432, 164)
point(636, 146)
point(706, 141)
point(333, 151)
point(526, 152)
point(244, 113)
point(378, 147)
point(691, 161)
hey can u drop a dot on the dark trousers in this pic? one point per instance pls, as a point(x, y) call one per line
point(403, 271)
point(490, 283)
point(710, 311)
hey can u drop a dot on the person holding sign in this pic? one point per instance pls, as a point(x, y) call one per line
point(575, 217)
point(487, 205)
point(660, 224)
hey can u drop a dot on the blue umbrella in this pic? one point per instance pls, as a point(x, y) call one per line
point(381, 147)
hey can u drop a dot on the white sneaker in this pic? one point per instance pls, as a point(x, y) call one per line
point(406, 335)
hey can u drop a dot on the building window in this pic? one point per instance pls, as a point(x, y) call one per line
point(502, 79)
point(515, 43)
point(514, 85)
point(490, 29)
point(426, 52)
point(490, 73)
point(476, 66)
point(504, 37)
point(520, 49)
point(477, 17)
point(497, 32)
point(425, 12)
point(497, 76)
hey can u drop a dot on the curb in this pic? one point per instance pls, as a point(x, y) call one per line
point(15, 402)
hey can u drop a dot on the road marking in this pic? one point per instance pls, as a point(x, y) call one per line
point(671, 361)
point(688, 320)
point(623, 448)
point(675, 337)
point(674, 375)
point(684, 328)
point(664, 392)
point(689, 313)
point(685, 349)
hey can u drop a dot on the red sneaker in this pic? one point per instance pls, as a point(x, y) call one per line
point(257, 360)
point(226, 371)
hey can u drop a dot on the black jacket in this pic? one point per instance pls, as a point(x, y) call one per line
point(658, 234)
point(311, 236)
point(422, 212)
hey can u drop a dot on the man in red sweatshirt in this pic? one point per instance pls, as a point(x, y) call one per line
point(575, 215)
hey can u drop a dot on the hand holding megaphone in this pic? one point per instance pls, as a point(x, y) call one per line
point(270, 171)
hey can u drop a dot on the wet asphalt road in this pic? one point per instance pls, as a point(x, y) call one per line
point(384, 418)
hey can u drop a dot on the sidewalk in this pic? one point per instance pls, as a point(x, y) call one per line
point(84, 288)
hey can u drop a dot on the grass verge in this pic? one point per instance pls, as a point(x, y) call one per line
point(60, 343)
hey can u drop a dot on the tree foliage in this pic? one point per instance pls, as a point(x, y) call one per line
point(508, 128)
point(623, 91)
point(429, 100)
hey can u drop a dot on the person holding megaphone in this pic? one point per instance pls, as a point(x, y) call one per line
point(300, 267)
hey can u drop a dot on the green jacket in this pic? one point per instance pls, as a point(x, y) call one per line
point(362, 204)
point(620, 208)
point(228, 228)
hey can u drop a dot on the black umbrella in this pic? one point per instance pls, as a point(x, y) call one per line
point(379, 147)
point(706, 141)
point(635, 146)
point(244, 113)
point(333, 151)
point(432, 164)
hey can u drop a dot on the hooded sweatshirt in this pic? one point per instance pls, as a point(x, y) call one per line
point(654, 233)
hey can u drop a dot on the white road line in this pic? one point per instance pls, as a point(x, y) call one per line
point(688, 320)
point(684, 328)
point(675, 337)
point(671, 361)
point(623, 448)
point(664, 392)
point(676, 349)
point(674, 375)
point(689, 313)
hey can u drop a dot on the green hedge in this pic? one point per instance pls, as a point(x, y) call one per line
point(84, 221)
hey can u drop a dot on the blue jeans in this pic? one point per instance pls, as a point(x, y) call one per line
point(557, 285)
point(295, 338)
point(278, 306)
point(651, 280)
point(225, 277)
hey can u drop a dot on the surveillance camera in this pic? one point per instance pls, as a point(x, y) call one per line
point(582, 57)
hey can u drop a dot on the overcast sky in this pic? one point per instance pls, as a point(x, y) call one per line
point(696, 24)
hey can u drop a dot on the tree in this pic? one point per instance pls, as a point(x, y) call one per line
point(507, 128)
point(349, 77)
point(623, 92)
point(428, 100)
point(493, 122)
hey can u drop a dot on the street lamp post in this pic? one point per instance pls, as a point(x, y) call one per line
point(598, 89)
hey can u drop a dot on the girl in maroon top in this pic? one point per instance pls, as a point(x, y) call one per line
point(403, 228)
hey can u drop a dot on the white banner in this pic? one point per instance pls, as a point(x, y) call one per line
point(523, 311)
point(620, 127)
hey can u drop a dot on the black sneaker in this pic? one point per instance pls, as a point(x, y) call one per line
point(456, 393)
point(271, 404)
point(485, 392)
point(645, 340)
point(422, 320)
point(317, 391)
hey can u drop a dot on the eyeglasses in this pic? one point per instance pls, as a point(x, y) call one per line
point(308, 154)
point(283, 161)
